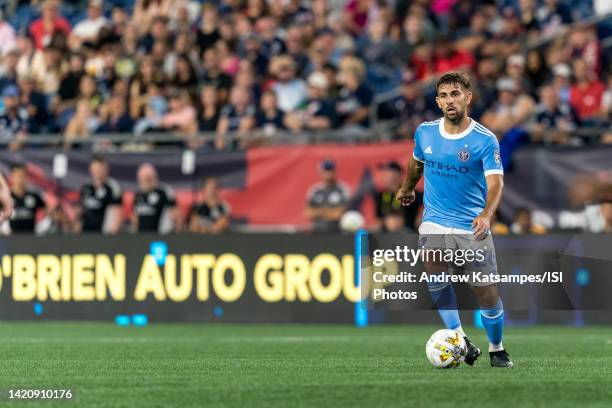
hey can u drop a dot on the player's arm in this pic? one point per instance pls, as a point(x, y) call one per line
point(482, 222)
point(6, 201)
point(115, 214)
point(406, 193)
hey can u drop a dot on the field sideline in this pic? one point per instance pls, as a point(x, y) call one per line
point(195, 365)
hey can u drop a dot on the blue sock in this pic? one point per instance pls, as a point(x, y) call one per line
point(493, 322)
point(445, 300)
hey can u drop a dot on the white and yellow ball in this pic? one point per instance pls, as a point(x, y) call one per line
point(446, 349)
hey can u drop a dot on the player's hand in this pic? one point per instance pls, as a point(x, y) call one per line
point(481, 226)
point(405, 197)
point(7, 208)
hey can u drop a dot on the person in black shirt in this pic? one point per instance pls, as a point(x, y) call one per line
point(355, 96)
point(154, 205)
point(212, 216)
point(385, 201)
point(317, 112)
point(26, 202)
point(100, 201)
point(268, 117)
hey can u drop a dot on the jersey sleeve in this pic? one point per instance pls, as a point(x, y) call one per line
point(491, 159)
point(417, 153)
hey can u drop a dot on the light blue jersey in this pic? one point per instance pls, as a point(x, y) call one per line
point(455, 169)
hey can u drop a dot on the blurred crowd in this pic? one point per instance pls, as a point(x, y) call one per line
point(85, 69)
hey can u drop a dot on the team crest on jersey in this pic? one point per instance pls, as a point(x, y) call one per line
point(464, 155)
point(497, 157)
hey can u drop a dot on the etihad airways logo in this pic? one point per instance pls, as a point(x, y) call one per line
point(451, 168)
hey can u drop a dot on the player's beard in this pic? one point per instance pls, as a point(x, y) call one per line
point(456, 118)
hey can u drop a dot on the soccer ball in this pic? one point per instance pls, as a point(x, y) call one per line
point(446, 349)
point(351, 221)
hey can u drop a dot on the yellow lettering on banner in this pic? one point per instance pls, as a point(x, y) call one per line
point(325, 262)
point(6, 266)
point(180, 292)
point(83, 277)
point(203, 264)
point(24, 277)
point(149, 279)
point(234, 264)
point(66, 281)
point(109, 279)
point(268, 278)
point(352, 293)
point(296, 277)
point(49, 273)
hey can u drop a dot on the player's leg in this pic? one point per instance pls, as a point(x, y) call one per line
point(491, 306)
point(492, 316)
point(432, 237)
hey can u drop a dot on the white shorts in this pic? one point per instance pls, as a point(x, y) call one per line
point(436, 236)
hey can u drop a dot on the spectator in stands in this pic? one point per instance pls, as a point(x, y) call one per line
point(13, 123)
point(148, 76)
point(377, 50)
point(536, 70)
point(317, 112)
point(512, 108)
point(326, 200)
point(154, 204)
point(415, 31)
point(34, 104)
point(355, 96)
point(8, 40)
point(100, 201)
point(296, 47)
point(238, 116)
point(212, 215)
point(515, 69)
point(562, 74)
point(182, 116)
point(184, 75)
point(291, 91)
point(385, 202)
point(66, 97)
point(114, 117)
point(82, 125)
point(586, 92)
point(47, 67)
point(26, 202)
point(522, 223)
point(213, 75)
point(208, 31)
point(88, 30)
point(50, 24)
point(268, 117)
point(411, 108)
point(8, 69)
point(558, 119)
point(208, 117)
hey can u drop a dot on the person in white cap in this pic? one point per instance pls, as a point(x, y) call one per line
point(511, 109)
point(317, 112)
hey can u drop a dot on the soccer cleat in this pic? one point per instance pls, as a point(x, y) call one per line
point(472, 352)
point(500, 359)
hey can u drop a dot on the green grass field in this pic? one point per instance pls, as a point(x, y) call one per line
point(298, 366)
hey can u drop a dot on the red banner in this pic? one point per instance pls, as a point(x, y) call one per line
point(278, 178)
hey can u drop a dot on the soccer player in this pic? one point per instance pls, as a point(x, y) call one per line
point(26, 202)
point(154, 204)
point(463, 186)
point(100, 202)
